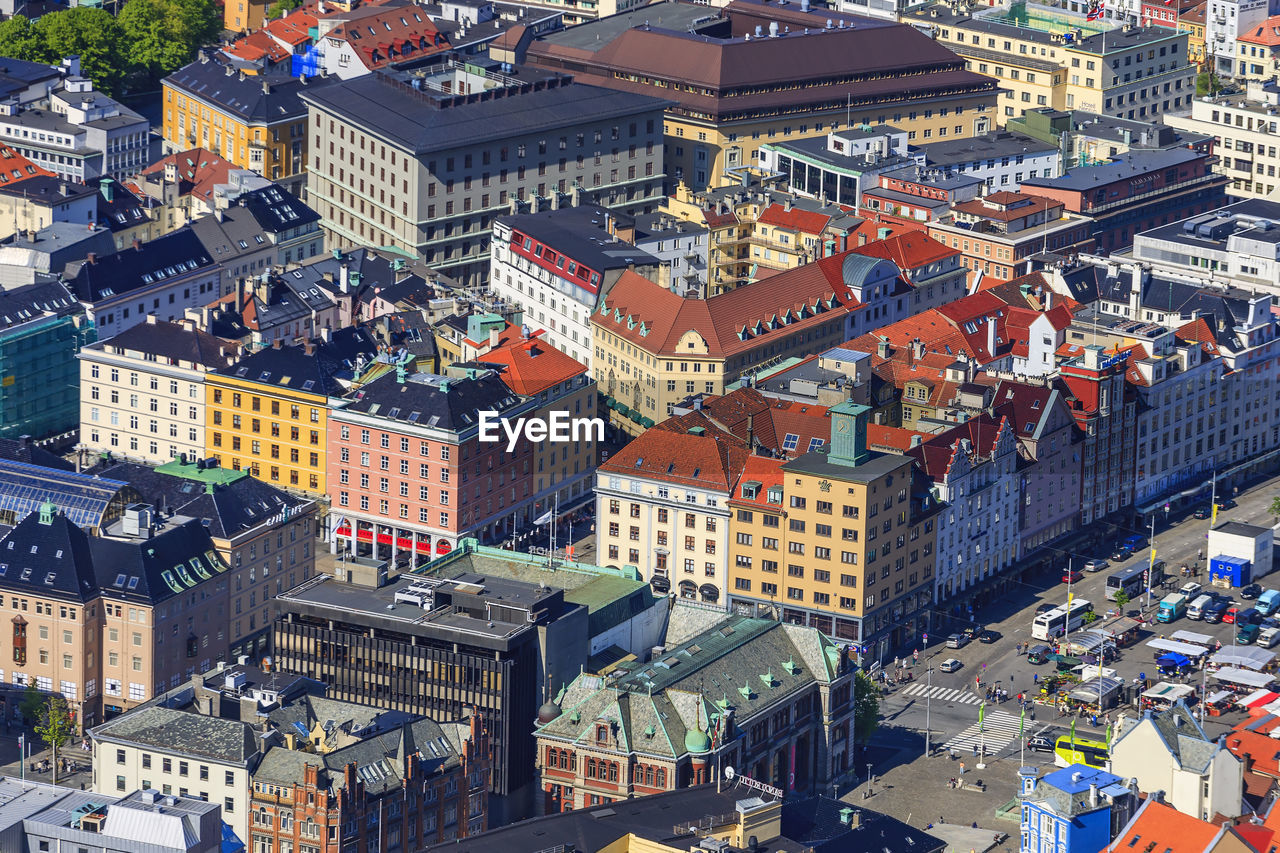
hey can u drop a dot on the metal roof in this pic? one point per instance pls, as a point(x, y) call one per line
point(84, 499)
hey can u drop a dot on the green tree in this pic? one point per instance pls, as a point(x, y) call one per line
point(55, 727)
point(1090, 618)
point(160, 36)
point(1275, 502)
point(280, 7)
point(93, 35)
point(1122, 598)
point(19, 40)
point(1207, 83)
point(866, 707)
point(31, 703)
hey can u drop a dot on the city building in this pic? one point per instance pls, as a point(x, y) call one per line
point(1192, 22)
point(1075, 809)
point(1233, 245)
point(1225, 22)
point(257, 123)
point(701, 60)
point(1242, 126)
point(264, 534)
point(30, 480)
point(1245, 546)
point(1130, 71)
point(1168, 15)
point(272, 49)
point(268, 412)
point(1136, 191)
point(1259, 47)
point(653, 348)
point(42, 327)
point(188, 184)
point(78, 134)
point(999, 233)
point(243, 16)
point(142, 392)
point(32, 199)
point(292, 767)
point(1157, 823)
point(164, 277)
point(557, 263)
point(454, 637)
point(1048, 469)
point(258, 230)
point(405, 32)
point(1087, 139)
point(1169, 751)
point(685, 247)
point(841, 166)
point(972, 470)
point(1106, 415)
point(668, 723)
point(1000, 159)
point(39, 816)
point(436, 183)
point(917, 194)
point(112, 619)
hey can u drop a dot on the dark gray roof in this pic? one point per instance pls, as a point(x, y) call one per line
point(21, 305)
point(322, 371)
point(579, 232)
point(388, 107)
point(124, 210)
point(48, 555)
point(1239, 528)
point(173, 560)
point(276, 210)
point(229, 741)
point(245, 96)
point(172, 341)
point(1003, 143)
point(441, 402)
point(1129, 164)
point(171, 257)
point(24, 450)
point(18, 74)
point(46, 189)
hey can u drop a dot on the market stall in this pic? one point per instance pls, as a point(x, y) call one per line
point(1097, 694)
point(1248, 657)
point(1240, 679)
point(1193, 637)
point(1088, 643)
point(1173, 663)
point(1258, 698)
point(1164, 694)
point(1189, 650)
point(1120, 630)
point(1219, 702)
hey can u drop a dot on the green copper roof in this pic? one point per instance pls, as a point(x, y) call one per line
point(209, 476)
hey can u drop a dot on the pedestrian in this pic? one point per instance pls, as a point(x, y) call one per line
point(1035, 678)
point(961, 768)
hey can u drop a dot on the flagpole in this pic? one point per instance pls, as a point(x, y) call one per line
point(982, 737)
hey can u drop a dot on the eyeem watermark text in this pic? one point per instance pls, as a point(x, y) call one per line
point(558, 427)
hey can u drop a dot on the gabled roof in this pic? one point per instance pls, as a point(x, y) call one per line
point(1160, 827)
point(434, 401)
point(173, 560)
point(47, 555)
point(199, 171)
point(325, 370)
point(909, 250)
point(393, 32)
point(937, 454)
point(787, 428)
point(252, 99)
point(15, 168)
point(1266, 33)
point(530, 365)
point(708, 461)
point(173, 256)
point(172, 342)
point(795, 219)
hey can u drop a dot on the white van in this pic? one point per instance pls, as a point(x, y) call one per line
point(1196, 610)
point(1268, 637)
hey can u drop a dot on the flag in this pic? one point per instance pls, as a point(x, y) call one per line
point(1022, 722)
point(1108, 737)
point(1073, 734)
point(981, 713)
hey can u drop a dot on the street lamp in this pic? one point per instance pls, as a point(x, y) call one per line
point(868, 778)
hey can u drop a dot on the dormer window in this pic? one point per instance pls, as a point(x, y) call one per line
point(602, 733)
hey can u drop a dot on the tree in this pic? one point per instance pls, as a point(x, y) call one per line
point(19, 40)
point(866, 707)
point(1207, 83)
point(1122, 598)
point(31, 703)
point(1090, 618)
point(1275, 502)
point(56, 725)
point(160, 36)
point(90, 33)
point(281, 7)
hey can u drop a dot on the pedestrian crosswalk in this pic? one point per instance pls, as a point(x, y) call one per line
point(942, 694)
point(999, 729)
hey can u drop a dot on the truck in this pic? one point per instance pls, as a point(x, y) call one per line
point(1268, 602)
point(1171, 607)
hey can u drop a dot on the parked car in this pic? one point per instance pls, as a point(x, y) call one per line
point(1226, 503)
point(950, 665)
point(1121, 553)
point(1040, 743)
point(1268, 635)
point(957, 641)
point(1039, 654)
point(1217, 610)
point(1202, 513)
point(972, 631)
point(1072, 576)
point(1095, 565)
point(1249, 616)
point(1133, 541)
point(1251, 591)
point(1229, 615)
point(989, 637)
point(1247, 634)
point(1191, 590)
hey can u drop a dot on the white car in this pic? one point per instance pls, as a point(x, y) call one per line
point(1191, 590)
point(950, 665)
point(1096, 565)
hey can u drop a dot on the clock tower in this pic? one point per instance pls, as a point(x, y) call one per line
point(849, 434)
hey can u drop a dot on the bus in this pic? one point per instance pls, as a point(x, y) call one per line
point(1068, 750)
point(1055, 623)
point(1133, 580)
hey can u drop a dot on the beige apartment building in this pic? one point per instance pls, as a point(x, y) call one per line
point(1245, 131)
point(142, 392)
point(108, 621)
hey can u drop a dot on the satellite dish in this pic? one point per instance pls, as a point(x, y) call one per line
point(729, 773)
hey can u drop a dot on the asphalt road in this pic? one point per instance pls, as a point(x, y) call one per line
point(947, 703)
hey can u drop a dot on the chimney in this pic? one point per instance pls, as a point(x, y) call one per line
point(91, 257)
point(230, 71)
point(1135, 292)
point(494, 334)
point(1048, 298)
point(309, 348)
point(326, 335)
point(137, 244)
point(275, 344)
point(1093, 794)
point(991, 337)
point(151, 319)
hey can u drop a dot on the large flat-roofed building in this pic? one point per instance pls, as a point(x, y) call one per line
point(1246, 127)
point(423, 161)
point(1237, 244)
point(754, 72)
point(482, 628)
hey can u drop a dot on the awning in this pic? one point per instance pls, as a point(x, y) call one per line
point(1168, 692)
point(1219, 696)
point(623, 410)
point(636, 416)
point(647, 422)
point(1259, 697)
point(1093, 671)
point(1244, 656)
point(1188, 649)
point(1193, 637)
point(1088, 692)
point(1174, 659)
point(1243, 677)
point(610, 403)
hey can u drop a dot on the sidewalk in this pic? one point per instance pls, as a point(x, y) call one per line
point(11, 764)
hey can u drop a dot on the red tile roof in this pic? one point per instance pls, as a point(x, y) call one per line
point(989, 207)
point(796, 219)
point(1266, 33)
point(937, 453)
point(532, 365)
point(909, 250)
point(1198, 331)
point(766, 471)
point(1157, 826)
point(666, 454)
point(755, 419)
point(892, 439)
point(199, 171)
point(15, 168)
point(391, 34)
point(657, 320)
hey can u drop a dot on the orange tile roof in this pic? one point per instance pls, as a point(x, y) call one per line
point(656, 320)
point(892, 439)
point(1251, 742)
point(257, 46)
point(909, 250)
point(15, 168)
point(390, 35)
point(765, 470)
point(1198, 331)
point(796, 219)
point(1267, 33)
point(1158, 826)
point(976, 207)
point(532, 365)
point(199, 171)
point(709, 461)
